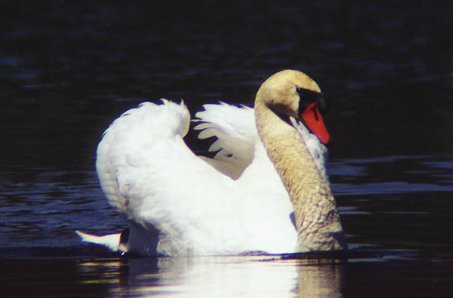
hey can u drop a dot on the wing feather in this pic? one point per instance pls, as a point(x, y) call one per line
point(123, 144)
point(235, 131)
point(148, 173)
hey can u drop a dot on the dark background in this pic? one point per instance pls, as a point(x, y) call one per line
point(68, 68)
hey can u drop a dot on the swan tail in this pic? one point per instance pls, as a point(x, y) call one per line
point(112, 241)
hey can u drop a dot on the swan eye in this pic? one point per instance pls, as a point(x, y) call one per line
point(308, 97)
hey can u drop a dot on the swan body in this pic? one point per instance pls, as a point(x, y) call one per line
point(265, 190)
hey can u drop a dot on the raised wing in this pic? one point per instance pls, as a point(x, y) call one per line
point(129, 142)
point(236, 136)
point(148, 173)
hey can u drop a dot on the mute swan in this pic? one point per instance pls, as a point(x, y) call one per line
point(266, 189)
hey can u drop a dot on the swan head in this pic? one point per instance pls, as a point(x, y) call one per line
point(293, 94)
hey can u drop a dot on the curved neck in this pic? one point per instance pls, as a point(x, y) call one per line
point(317, 220)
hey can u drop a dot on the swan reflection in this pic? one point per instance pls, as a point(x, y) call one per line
point(244, 276)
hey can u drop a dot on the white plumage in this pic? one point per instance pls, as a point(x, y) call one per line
point(232, 204)
point(178, 203)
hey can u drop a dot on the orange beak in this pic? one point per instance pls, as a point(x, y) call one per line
point(315, 123)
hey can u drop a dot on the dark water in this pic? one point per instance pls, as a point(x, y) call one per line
point(68, 69)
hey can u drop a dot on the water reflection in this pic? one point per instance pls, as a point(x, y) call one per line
point(322, 279)
point(238, 276)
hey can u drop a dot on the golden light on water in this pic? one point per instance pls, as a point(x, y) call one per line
point(240, 276)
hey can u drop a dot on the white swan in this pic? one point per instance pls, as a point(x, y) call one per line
point(265, 190)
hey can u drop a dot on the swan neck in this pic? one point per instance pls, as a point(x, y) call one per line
point(316, 216)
